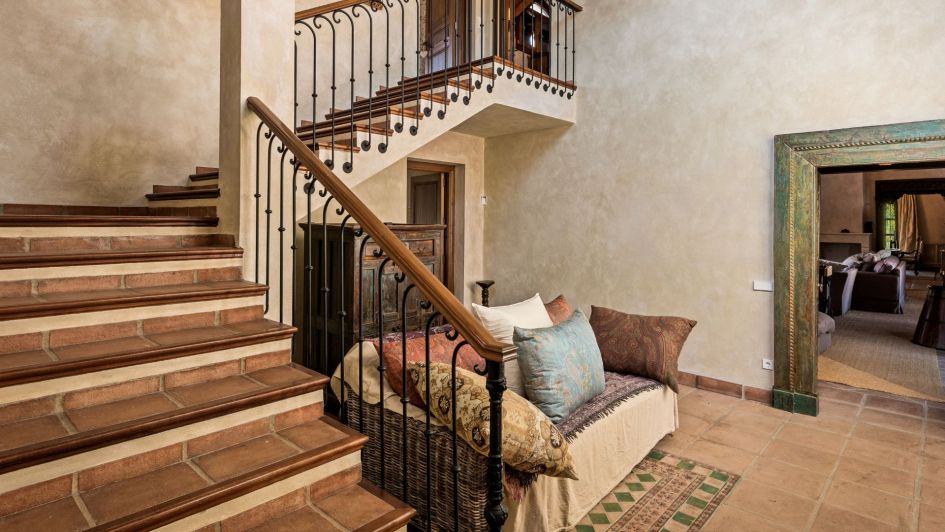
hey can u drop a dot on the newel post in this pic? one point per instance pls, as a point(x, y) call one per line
point(496, 513)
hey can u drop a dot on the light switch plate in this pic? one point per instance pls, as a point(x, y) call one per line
point(763, 286)
point(767, 363)
point(483, 199)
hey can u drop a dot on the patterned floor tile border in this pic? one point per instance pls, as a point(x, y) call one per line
point(662, 493)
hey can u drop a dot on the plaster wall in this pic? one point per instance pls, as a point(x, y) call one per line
point(659, 200)
point(103, 98)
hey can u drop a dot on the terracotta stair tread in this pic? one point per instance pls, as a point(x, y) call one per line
point(149, 411)
point(33, 365)
point(73, 220)
point(204, 173)
point(173, 488)
point(86, 301)
point(181, 188)
point(364, 507)
point(34, 259)
point(169, 192)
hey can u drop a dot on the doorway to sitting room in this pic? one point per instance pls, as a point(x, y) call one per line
point(882, 237)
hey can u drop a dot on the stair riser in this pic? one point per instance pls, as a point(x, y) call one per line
point(126, 268)
point(105, 280)
point(319, 475)
point(10, 396)
point(73, 464)
point(64, 321)
point(80, 232)
point(195, 202)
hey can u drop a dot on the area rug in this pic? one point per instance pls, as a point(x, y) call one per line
point(874, 350)
point(663, 492)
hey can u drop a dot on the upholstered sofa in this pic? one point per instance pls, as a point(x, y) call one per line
point(868, 290)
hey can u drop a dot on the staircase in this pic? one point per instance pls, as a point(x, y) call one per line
point(141, 386)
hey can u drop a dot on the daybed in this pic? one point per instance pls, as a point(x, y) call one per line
point(607, 438)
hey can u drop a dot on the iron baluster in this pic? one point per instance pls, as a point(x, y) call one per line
point(416, 120)
point(342, 314)
point(557, 46)
point(308, 336)
point(257, 196)
point(361, 335)
point(314, 76)
point(455, 442)
point(482, 44)
point(541, 47)
point(295, 187)
point(455, 41)
point(348, 166)
point(427, 433)
point(295, 82)
point(403, 388)
point(573, 54)
point(330, 162)
point(366, 144)
point(379, 303)
point(387, 110)
point(521, 31)
point(441, 114)
point(495, 512)
point(268, 212)
point(399, 126)
point(326, 290)
point(564, 80)
point(285, 151)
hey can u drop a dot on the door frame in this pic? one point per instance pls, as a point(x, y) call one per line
point(798, 157)
point(449, 207)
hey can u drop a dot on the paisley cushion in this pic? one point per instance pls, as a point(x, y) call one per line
point(647, 346)
point(530, 441)
point(441, 350)
point(561, 364)
point(559, 309)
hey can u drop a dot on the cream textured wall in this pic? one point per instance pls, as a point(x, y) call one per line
point(102, 98)
point(660, 199)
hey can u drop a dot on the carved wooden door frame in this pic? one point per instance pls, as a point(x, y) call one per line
point(798, 157)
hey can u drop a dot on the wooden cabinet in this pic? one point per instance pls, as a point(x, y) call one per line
point(347, 255)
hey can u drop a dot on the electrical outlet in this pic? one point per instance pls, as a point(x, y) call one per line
point(767, 363)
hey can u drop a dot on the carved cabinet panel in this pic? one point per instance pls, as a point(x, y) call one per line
point(350, 265)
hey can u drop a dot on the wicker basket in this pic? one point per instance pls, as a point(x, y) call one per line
point(472, 467)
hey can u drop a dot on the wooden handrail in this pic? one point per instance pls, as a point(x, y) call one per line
point(328, 8)
point(435, 291)
point(341, 4)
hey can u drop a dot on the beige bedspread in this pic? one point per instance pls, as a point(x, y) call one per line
point(604, 453)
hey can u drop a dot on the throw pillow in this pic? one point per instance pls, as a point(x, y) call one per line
point(562, 365)
point(530, 442)
point(559, 309)
point(501, 321)
point(647, 346)
point(441, 350)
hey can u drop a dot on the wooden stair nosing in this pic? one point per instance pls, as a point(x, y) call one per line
point(452, 72)
point(51, 308)
point(344, 128)
point(392, 110)
point(43, 260)
point(397, 518)
point(203, 499)
point(26, 374)
point(72, 444)
point(67, 220)
point(195, 193)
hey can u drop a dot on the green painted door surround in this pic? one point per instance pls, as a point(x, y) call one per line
point(797, 233)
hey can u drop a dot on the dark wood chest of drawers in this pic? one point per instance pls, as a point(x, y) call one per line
point(346, 255)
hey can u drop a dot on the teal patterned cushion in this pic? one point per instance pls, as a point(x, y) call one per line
point(562, 365)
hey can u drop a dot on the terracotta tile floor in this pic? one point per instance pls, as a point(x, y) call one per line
point(869, 461)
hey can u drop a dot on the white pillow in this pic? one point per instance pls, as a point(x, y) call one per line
point(501, 322)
